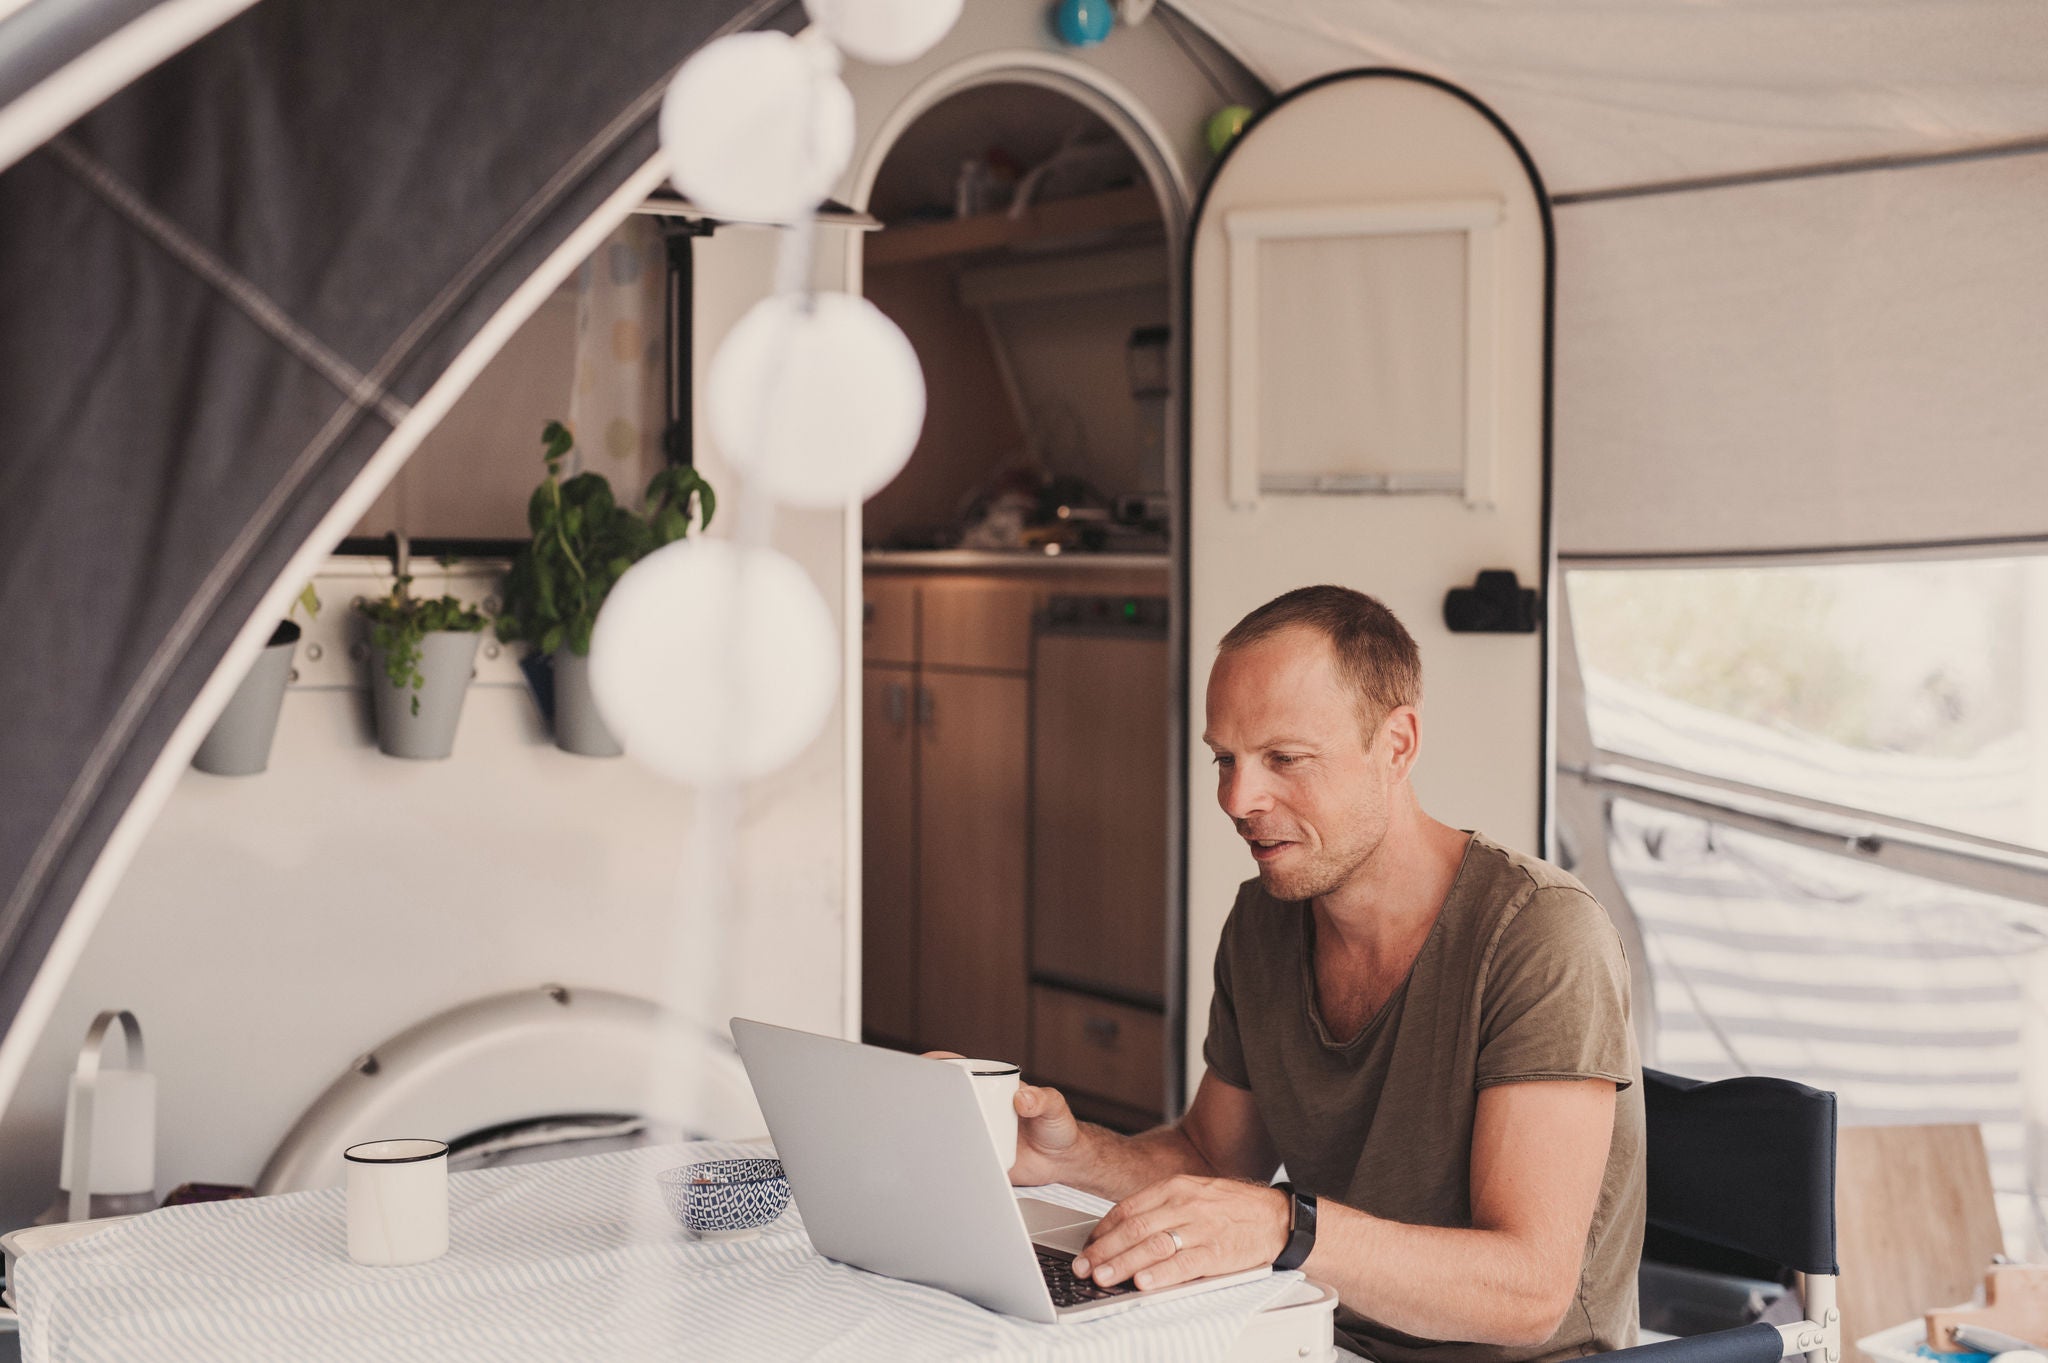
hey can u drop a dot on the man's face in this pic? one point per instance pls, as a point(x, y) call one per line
point(1295, 770)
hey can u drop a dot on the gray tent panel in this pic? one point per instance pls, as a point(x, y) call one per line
point(224, 287)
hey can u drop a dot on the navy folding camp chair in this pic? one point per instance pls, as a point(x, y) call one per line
point(1742, 1180)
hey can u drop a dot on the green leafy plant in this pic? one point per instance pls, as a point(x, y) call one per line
point(400, 622)
point(583, 543)
point(308, 601)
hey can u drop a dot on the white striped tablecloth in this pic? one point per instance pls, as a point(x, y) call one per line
point(572, 1259)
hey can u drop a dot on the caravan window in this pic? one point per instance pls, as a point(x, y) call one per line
point(1824, 791)
point(1911, 688)
point(1909, 998)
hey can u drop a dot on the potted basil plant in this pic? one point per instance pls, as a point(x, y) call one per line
point(239, 742)
point(583, 542)
point(421, 655)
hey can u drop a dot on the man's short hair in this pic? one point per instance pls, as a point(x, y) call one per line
point(1374, 650)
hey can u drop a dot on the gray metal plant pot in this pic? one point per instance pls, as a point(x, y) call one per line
point(239, 744)
point(578, 726)
point(447, 658)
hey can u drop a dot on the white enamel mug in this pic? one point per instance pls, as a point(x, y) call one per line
point(397, 1201)
point(995, 1088)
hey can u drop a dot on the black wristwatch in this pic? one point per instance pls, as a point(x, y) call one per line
point(1301, 1228)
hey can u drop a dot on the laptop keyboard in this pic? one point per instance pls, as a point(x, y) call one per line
point(1068, 1290)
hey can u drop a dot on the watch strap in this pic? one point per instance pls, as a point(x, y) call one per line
point(1301, 1228)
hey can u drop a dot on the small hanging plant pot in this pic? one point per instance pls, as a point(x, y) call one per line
point(239, 743)
point(422, 654)
point(583, 543)
point(579, 728)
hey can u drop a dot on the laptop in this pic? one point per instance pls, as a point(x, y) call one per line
point(891, 1166)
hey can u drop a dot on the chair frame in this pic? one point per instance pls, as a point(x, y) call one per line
point(1819, 1336)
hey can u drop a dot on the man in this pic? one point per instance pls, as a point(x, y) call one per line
point(1428, 1030)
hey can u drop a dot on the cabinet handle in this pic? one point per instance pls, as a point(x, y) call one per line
point(927, 706)
point(867, 612)
point(1102, 1031)
point(897, 700)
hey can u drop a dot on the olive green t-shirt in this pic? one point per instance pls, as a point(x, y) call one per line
point(1522, 978)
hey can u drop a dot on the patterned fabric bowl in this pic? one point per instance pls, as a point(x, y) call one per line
point(725, 1199)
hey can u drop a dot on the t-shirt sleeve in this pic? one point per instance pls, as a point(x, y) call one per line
point(1556, 996)
point(1223, 1050)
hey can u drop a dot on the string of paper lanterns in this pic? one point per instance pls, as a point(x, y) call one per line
point(885, 32)
point(717, 662)
point(817, 399)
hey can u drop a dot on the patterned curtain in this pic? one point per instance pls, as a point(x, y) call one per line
point(615, 402)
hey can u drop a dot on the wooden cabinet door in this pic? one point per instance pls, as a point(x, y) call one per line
point(978, 622)
point(888, 629)
point(1090, 1045)
point(973, 764)
point(1099, 816)
point(889, 855)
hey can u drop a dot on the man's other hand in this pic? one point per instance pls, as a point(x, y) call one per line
point(1049, 1139)
point(1222, 1225)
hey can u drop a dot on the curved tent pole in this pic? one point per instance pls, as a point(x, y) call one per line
point(59, 59)
point(225, 468)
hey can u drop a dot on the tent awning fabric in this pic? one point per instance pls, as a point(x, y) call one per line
point(59, 58)
point(1613, 93)
point(224, 287)
point(1843, 361)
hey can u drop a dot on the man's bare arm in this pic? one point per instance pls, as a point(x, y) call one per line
point(1539, 1150)
point(1221, 1136)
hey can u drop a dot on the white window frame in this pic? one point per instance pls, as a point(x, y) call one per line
point(1478, 222)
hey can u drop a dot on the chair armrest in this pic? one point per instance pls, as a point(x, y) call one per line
point(1758, 1343)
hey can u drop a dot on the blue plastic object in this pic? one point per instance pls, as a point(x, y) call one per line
point(1083, 23)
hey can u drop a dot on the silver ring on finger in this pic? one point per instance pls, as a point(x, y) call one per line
point(1178, 1243)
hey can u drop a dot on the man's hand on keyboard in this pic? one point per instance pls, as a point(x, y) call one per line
point(1186, 1227)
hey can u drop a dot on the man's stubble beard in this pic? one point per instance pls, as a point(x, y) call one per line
point(1326, 872)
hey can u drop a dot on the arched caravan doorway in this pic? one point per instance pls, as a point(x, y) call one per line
point(1017, 679)
point(1151, 87)
point(1367, 402)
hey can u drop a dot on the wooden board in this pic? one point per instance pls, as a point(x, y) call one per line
point(889, 854)
point(2015, 1303)
point(1098, 800)
point(1915, 1223)
point(1085, 216)
point(1106, 1049)
point(978, 622)
point(973, 756)
point(889, 620)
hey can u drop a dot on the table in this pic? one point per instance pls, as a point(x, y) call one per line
point(571, 1259)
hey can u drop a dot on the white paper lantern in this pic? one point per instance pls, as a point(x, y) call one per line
point(714, 663)
point(886, 32)
point(757, 127)
point(819, 398)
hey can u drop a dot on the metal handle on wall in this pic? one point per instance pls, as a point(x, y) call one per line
point(927, 706)
point(79, 1135)
point(896, 700)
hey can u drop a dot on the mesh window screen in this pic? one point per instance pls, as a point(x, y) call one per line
point(1912, 1000)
